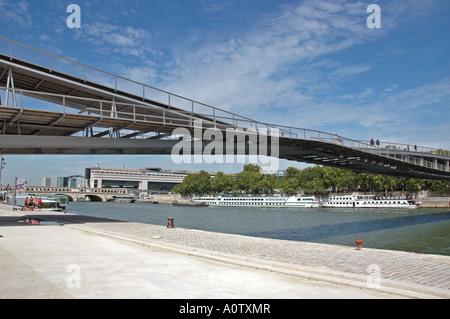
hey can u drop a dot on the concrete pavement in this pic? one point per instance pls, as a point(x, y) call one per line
point(98, 258)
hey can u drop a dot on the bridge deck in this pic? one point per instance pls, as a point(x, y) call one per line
point(39, 122)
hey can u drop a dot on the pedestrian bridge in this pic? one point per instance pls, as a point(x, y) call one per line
point(89, 111)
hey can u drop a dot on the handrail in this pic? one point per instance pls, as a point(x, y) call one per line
point(105, 110)
point(116, 77)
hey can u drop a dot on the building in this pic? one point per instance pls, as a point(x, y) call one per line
point(281, 173)
point(62, 181)
point(47, 182)
point(77, 181)
point(149, 178)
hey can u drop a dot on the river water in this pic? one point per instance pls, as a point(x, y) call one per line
point(422, 231)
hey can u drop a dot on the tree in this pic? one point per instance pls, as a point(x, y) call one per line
point(291, 186)
point(249, 181)
point(203, 183)
point(310, 173)
point(414, 185)
point(221, 183)
point(182, 188)
point(252, 168)
point(267, 184)
point(330, 177)
point(439, 186)
point(292, 172)
point(314, 187)
point(312, 180)
point(199, 183)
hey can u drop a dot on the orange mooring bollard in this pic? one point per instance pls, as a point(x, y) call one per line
point(359, 243)
point(170, 223)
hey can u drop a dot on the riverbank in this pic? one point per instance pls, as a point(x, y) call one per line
point(437, 202)
point(431, 202)
point(183, 263)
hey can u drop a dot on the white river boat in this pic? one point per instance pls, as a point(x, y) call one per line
point(369, 201)
point(258, 201)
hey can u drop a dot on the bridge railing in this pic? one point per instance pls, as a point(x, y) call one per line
point(188, 119)
point(190, 108)
point(55, 63)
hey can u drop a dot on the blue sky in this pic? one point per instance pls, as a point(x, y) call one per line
point(310, 64)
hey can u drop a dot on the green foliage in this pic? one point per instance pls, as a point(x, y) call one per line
point(195, 184)
point(291, 186)
point(251, 181)
point(315, 180)
point(222, 183)
point(321, 180)
point(439, 186)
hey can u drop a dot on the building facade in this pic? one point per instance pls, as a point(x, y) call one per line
point(76, 181)
point(46, 181)
point(147, 179)
point(62, 181)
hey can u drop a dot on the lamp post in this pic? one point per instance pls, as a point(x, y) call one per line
point(2, 166)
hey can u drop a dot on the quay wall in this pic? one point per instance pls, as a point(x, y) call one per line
point(170, 198)
point(435, 203)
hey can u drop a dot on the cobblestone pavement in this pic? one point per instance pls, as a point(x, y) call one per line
point(417, 273)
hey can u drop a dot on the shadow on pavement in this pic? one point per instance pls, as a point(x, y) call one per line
point(47, 218)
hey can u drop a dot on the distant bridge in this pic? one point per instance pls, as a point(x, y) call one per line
point(77, 194)
point(95, 112)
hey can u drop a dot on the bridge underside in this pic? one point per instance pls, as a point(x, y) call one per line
point(319, 153)
point(34, 131)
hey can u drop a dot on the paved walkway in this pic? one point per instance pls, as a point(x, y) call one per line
point(402, 273)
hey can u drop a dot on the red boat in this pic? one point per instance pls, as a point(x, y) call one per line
point(190, 205)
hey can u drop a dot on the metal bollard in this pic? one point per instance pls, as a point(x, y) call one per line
point(359, 243)
point(170, 223)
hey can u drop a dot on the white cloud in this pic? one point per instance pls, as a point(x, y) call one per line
point(259, 68)
point(422, 96)
point(125, 40)
point(16, 12)
point(350, 70)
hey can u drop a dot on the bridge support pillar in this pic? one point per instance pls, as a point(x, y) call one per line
point(98, 184)
point(447, 166)
point(10, 86)
point(143, 185)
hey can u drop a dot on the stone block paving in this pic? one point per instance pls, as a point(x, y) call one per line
point(406, 269)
